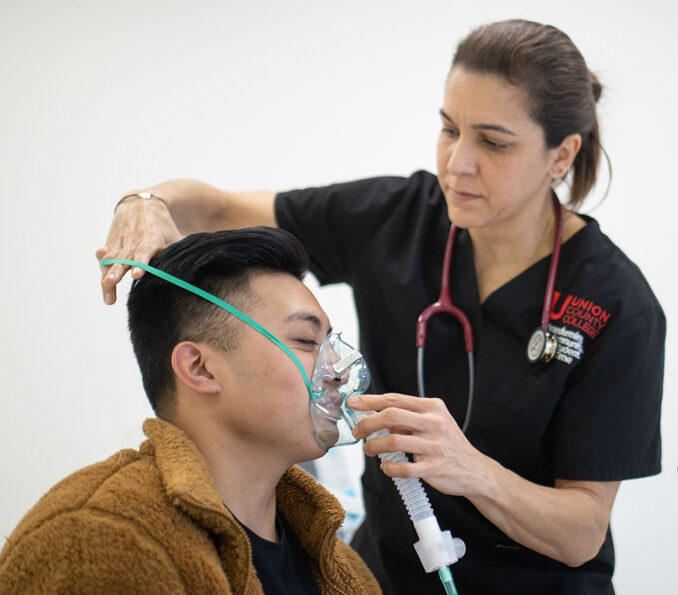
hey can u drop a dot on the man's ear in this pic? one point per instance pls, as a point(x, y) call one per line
point(564, 154)
point(192, 363)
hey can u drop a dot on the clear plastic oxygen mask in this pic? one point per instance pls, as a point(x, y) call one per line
point(340, 371)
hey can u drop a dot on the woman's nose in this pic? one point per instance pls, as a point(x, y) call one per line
point(461, 158)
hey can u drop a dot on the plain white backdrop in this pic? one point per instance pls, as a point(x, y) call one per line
point(98, 98)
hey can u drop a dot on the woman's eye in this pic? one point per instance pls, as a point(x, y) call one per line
point(493, 144)
point(453, 132)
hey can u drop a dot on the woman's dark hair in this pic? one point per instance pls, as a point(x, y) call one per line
point(160, 314)
point(562, 92)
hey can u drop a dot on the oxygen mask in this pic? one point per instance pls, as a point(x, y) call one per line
point(340, 371)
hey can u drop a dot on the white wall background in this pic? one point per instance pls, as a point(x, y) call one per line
point(101, 97)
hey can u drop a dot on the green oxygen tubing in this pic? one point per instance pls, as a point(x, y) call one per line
point(215, 300)
point(436, 549)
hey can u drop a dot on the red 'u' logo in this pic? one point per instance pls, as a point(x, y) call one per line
point(566, 302)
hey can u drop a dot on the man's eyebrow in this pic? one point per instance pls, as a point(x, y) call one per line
point(307, 317)
point(496, 127)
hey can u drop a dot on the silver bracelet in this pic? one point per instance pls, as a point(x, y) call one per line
point(144, 195)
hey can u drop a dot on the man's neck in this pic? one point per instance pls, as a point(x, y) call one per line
point(245, 476)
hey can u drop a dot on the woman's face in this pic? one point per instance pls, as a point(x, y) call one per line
point(493, 163)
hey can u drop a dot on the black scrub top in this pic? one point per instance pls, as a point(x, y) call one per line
point(590, 414)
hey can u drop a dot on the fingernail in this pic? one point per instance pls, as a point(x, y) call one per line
point(353, 400)
point(108, 298)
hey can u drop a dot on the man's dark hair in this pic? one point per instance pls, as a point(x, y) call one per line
point(160, 314)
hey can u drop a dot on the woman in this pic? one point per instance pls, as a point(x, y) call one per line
point(530, 483)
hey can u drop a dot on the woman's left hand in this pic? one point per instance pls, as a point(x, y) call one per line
point(424, 428)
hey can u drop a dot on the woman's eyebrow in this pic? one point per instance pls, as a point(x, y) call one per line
point(444, 115)
point(495, 127)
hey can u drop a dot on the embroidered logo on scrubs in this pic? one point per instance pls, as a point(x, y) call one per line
point(570, 344)
point(579, 313)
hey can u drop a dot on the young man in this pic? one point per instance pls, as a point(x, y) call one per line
point(211, 502)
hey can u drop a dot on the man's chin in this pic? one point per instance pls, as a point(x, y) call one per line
point(328, 438)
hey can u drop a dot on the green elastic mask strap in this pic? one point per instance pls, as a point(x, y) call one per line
point(215, 300)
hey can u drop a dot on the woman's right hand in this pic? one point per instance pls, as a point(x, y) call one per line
point(140, 228)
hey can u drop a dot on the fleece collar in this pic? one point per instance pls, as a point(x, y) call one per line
point(311, 510)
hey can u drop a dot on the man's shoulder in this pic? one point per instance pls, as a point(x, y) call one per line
point(126, 480)
point(97, 530)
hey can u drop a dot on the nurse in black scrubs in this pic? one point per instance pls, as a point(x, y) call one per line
point(529, 486)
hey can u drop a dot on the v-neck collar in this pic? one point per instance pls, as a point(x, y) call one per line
point(525, 291)
point(536, 268)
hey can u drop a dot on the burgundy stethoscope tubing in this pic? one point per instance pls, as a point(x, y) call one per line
point(553, 267)
point(445, 305)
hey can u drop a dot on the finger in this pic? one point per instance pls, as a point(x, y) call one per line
point(379, 402)
point(110, 277)
point(109, 295)
point(394, 443)
point(402, 469)
point(393, 419)
point(108, 284)
point(137, 273)
point(112, 274)
point(143, 256)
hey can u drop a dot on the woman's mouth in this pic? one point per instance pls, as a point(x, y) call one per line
point(463, 195)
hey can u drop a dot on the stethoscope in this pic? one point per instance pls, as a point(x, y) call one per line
point(542, 344)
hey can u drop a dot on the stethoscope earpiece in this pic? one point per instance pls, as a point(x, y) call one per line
point(542, 346)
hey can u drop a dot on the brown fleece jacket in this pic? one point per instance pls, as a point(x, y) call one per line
point(152, 521)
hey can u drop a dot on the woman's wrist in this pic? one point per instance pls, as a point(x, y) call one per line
point(141, 195)
point(488, 478)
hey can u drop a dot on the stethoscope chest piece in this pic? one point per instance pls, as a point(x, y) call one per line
point(542, 346)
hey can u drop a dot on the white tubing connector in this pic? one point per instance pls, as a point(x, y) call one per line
point(435, 548)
